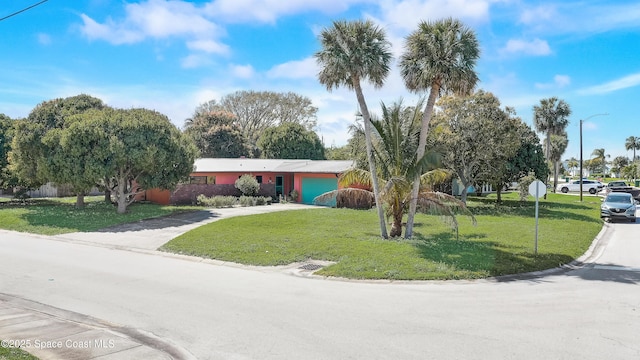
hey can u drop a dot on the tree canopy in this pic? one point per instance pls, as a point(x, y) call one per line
point(476, 137)
point(130, 149)
point(256, 111)
point(6, 126)
point(290, 141)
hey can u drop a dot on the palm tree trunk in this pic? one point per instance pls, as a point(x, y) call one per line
point(556, 166)
point(422, 144)
point(372, 166)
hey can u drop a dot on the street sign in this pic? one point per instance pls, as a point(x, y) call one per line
point(537, 189)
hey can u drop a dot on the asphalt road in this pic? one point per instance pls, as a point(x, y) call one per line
point(224, 311)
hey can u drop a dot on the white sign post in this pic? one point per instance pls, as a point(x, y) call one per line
point(537, 189)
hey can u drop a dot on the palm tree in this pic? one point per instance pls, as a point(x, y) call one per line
point(396, 140)
point(632, 143)
point(439, 56)
point(601, 157)
point(572, 164)
point(551, 117)
point(558, 147)
point(353, 51)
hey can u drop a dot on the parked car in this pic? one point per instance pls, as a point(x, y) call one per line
point(621, 186)
point(591, 186)
point(620, 206)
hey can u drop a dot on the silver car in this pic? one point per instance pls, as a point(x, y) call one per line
point(618, 206)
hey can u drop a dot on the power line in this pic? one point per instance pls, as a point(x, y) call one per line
point(23, 10)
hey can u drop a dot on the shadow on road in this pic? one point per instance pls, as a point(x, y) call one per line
point(169, 221)
point(609, 273)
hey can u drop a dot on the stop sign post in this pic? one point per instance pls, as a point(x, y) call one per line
point(537, 189)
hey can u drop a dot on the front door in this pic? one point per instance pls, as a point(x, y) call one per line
point(279, 186)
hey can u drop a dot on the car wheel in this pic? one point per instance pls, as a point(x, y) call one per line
point(633, 220)
point(564, 190)
point(592, 191)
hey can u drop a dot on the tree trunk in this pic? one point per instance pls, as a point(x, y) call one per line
point(121, 197)
point(396, 227)
point(80, 200)
point(498, 194)
point(422, 144)
point(107, 196)
point(372, 166)
point(555, 174)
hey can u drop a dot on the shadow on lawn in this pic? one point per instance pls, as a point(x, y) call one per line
point(471, 254)
point(547, 209)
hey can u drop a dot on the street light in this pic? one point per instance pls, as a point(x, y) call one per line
point(581, 121)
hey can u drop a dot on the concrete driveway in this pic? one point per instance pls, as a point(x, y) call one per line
point(152, 233)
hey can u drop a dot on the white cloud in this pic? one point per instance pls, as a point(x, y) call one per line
point(559, 81)
point(628, 81)
point(534, 47)
point(297, 69)
point(158, 19)
point(243, 71)
point(406, 14)
point(538, 14)
point(44, 39)
point(209, 46)
point(268, 11)
point(193, 61)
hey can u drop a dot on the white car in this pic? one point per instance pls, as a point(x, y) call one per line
point(591, 186)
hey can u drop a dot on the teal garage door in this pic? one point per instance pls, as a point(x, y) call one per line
point(312, 187)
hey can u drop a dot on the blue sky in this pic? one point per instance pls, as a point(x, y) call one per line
point(173, 55)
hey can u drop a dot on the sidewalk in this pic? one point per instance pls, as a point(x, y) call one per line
point(52, 333)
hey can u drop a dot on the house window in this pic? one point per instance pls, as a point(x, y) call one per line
point(259, 179)
point(198, 180)
point(211, 180)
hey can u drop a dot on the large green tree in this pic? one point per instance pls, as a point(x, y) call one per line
point(528, 159)
point(30, 156)
point(476, 137)
point(619, 163)
point(352, 52)
point(256, 111)
point(216, 134)
point(290, 141)
point(132, 149)
point(551, 117)
point(439, 56)
point(6, 126)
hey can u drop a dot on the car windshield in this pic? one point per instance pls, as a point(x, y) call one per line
point(619, 199)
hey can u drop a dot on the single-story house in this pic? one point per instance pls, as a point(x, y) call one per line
point(277, 177)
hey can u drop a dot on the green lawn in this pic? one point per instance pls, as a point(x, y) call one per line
point(54, 216)
point(502, 242)
point(10, 353)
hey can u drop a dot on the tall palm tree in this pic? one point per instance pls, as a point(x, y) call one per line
point(572, 164)
point(396, 140)
point(551, 117)
point(558, 147)
point(600, 156)
point(439, 56)
point(632, 143)
point(353, 51)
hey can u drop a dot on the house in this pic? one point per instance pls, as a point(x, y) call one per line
point(277, 177)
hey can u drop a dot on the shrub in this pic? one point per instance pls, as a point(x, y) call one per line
point(217, 201)
point(523, 185)
point(248, 185)
point(294, 195)
point(255, 200)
